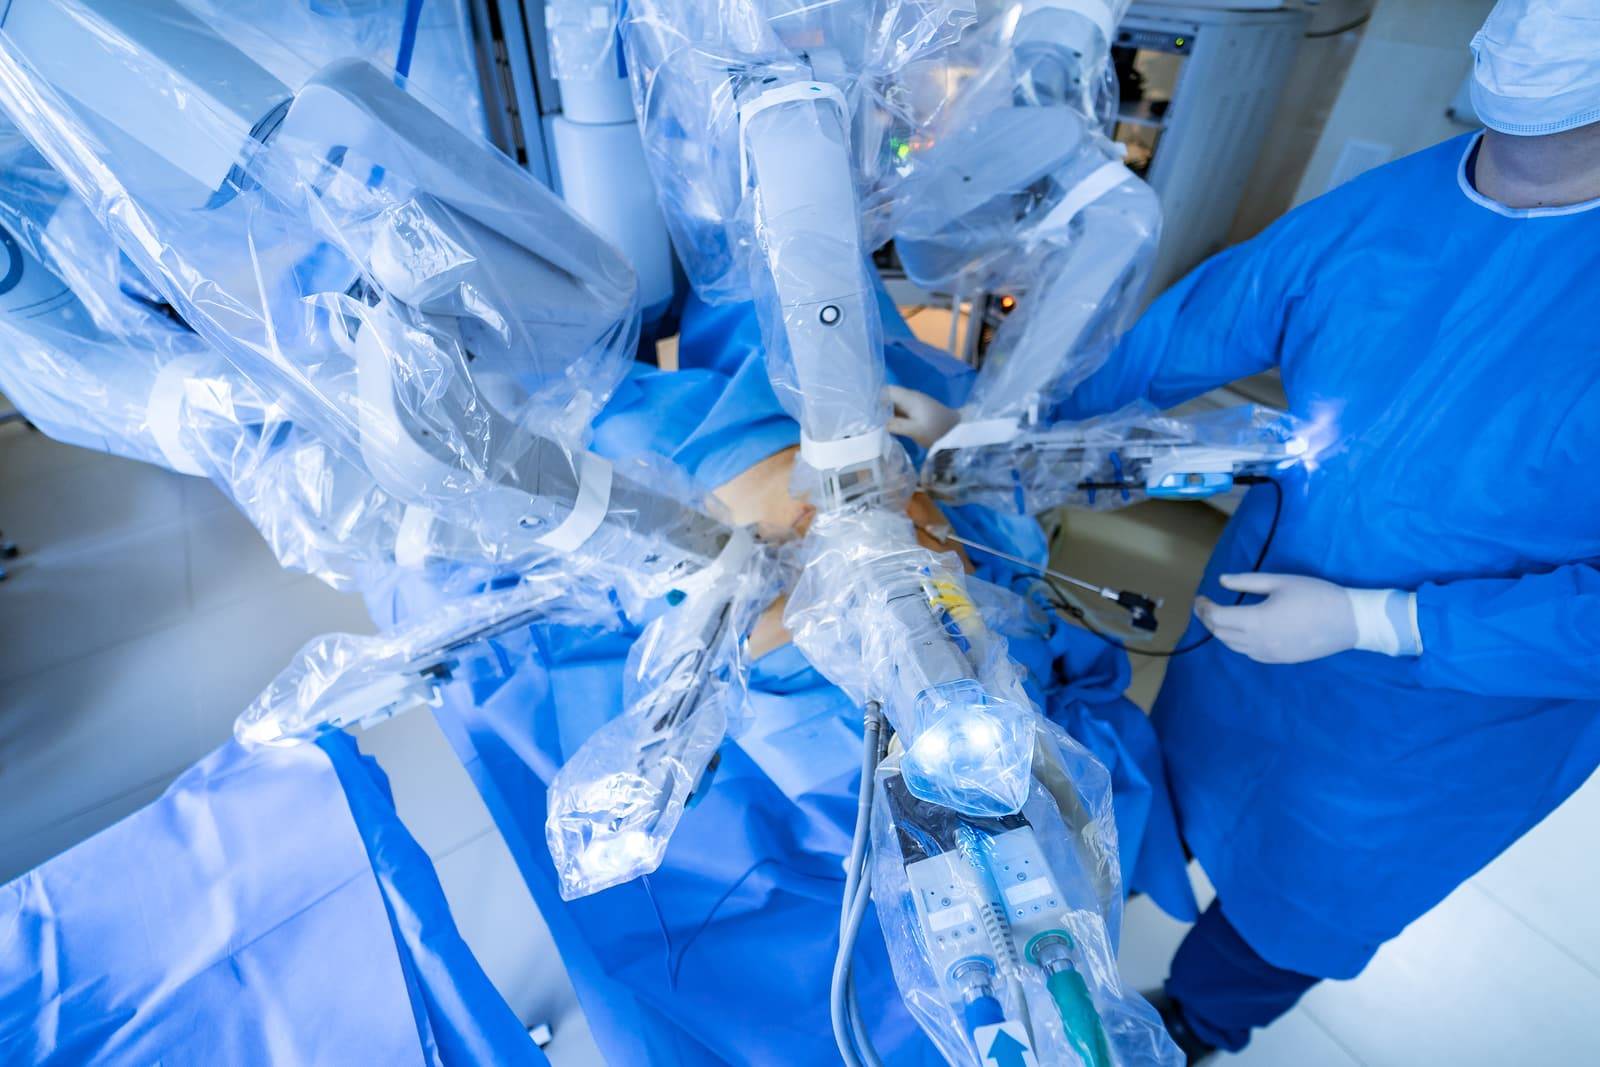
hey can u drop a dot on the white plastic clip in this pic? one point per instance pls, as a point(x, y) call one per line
point(975, 433)
point(843, 452)
point(1098, 183)
point(793, 92)
point(732, 558)
point(1096, 11)
point(588, 511)
point(164, 412)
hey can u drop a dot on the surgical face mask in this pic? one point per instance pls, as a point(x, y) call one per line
point(1536, 66)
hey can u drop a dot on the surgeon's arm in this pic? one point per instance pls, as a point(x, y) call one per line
point(1538, 635)
point(1223, 322)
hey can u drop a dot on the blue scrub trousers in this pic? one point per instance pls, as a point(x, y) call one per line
point(1223, 986)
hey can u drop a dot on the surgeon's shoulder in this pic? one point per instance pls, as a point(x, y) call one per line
point(1402, 186)
point(1401, 190)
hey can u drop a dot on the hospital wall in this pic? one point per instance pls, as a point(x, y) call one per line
point(1360, 99)
point(1412, 59)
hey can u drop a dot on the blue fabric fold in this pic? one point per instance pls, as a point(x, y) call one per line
point(269, 908)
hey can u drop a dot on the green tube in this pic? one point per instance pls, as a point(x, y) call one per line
point(1082, 1022)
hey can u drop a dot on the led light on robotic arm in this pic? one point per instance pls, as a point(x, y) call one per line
point(890, 621)
point(965, 746)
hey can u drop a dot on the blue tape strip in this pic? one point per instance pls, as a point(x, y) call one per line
point(408, 38)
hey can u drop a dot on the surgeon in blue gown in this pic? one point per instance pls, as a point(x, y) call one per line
point(269, 908)
point(1414, 680)
point(724, 954)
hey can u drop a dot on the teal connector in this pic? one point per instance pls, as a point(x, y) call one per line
point(1078, 1017)
point(1085, 1032)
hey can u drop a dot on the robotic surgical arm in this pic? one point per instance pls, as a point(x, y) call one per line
point(892, 627)
point(815, 300)
point(97, 359)
point(405, 294)
point(895, 625)
point(1020, 191)
point(412, 300)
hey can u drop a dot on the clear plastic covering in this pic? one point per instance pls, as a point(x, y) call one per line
point(616, 801)
point(820, 323)
point(770, 128)
point(407, 295)
point(403, 292)
point(429, 41)
point(97, 359)
point(888, 620)
point(1121, 458)
point(1015, 188)
point(694, 64)
point(1002, 931)
point(82, 353)
point(583, 38)
point(340, 680)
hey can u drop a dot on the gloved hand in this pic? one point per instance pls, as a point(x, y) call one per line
point(1308, 618)
point(919, 416)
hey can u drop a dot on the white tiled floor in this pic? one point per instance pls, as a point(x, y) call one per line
point(145, 613)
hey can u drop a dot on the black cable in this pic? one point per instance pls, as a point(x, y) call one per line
point(1346, 28)
point(1071, 609)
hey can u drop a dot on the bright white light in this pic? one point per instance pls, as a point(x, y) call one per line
point(618, 858)
point(933, 747)
point(979, 734)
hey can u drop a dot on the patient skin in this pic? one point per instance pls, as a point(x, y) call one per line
point(760, 495)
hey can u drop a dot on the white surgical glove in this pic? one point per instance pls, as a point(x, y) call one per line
point(919, 416)
point(1307, 618)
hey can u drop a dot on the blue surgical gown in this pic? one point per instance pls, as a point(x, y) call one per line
point(724, 954)
point(269, 908)
point(1446, 350)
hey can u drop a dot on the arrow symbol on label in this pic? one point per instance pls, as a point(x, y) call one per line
point(1007, 1051)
